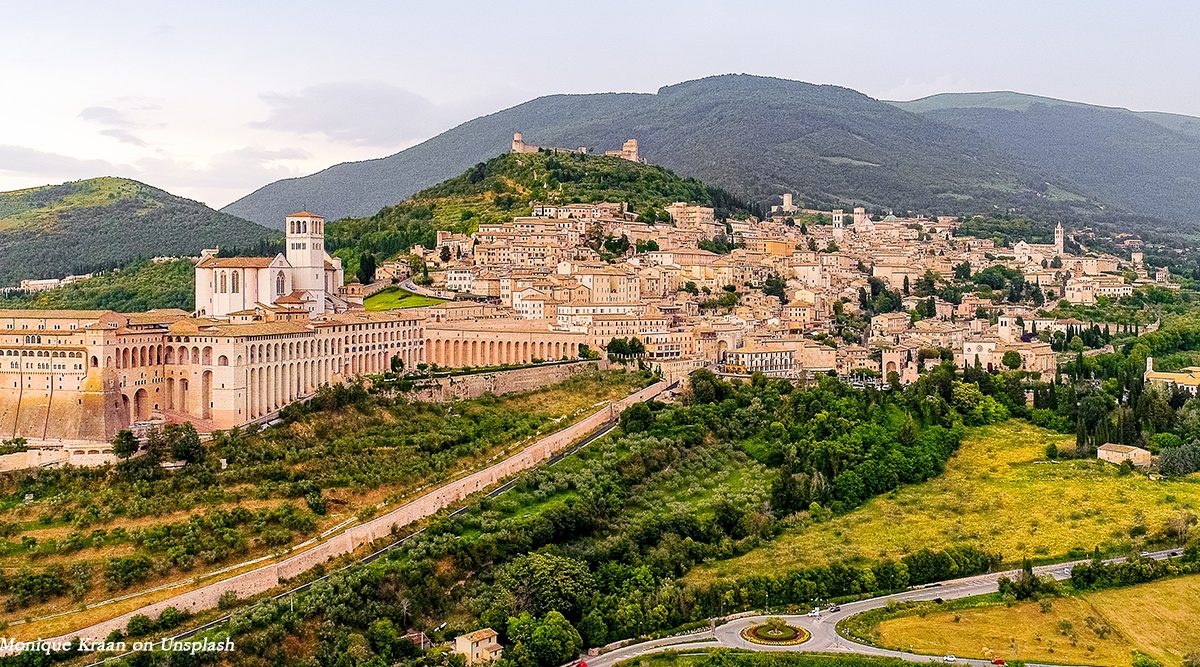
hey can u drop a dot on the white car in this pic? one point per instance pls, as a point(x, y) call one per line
point(949, 658)
point(815, 613)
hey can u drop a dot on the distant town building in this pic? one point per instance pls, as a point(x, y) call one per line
point(629, 151)
point(479, 647)
point(1118, 454)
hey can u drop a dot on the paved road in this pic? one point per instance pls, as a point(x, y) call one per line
point(410, 286)
point(823, 628)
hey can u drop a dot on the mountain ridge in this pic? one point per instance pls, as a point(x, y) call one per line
point(754, 136)
point(1018, 101)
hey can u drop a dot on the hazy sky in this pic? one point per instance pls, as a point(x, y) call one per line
point(214, 99)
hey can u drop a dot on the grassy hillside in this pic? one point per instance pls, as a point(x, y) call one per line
point(504, 186)
point(102, 223)
point(139, 287)
point(394, 298)
point(753, 136)
point(1098, 628)
point(999, 494)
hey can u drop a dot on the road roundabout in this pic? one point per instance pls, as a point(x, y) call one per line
point(820, 627)
point(775, 631)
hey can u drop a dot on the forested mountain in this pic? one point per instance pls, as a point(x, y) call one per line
point(754, 136)
point(1142, 162)
point(102, 223)
point(505, 186)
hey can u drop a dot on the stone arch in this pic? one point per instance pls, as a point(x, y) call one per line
point(141, 405)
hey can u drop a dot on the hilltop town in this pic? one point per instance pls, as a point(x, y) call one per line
point(800, 292)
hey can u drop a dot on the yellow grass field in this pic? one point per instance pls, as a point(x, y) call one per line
point(997, 494)
point(1160, 619)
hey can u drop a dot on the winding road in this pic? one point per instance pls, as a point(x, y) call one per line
point(823, 627)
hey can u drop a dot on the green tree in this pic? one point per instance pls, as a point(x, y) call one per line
point(125, 444)
point(1012, 359)
point(774, 286)
point(185, 443)
point(594, 630)
point(366, 268)
point(384, 638)
point(636, 418)
point(540, 583)
point(555, 641)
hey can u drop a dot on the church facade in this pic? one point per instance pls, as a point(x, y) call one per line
point(304, 277)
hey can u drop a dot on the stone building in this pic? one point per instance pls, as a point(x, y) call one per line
point(304, 275)
point(68, 376)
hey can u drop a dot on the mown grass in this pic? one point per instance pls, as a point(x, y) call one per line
point(394, 298)
point(725, 658)
point(1160, 619)
point(999, 494)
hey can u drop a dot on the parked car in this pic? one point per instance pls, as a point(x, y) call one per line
point(834, 608)
point(998, 661)
point(949, 658)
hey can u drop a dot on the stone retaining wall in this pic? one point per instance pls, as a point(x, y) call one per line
point(501, 382)
point(269, 576)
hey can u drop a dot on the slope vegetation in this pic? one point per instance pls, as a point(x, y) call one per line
point(505, 186)
point(142, 286)
point(101, 223)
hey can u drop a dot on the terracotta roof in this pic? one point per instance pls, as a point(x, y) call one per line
point(235, 262)
point(304, 214)
point(1120, 449)
point(297, 296)
point(477, 635)
point(258, 329)
point(22, 314)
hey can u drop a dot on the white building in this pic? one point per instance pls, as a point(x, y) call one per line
point(306, 277)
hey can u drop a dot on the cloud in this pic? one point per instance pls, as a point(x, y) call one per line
point(357, 114)
point(43, 164)
point(120, 124)
point(107, 116)
point(225, 177)
point(124, 136)
point(230, 169)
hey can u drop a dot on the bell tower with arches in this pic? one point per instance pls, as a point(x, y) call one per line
point(306, 255)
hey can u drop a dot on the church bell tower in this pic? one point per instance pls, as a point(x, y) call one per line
point(306, 254)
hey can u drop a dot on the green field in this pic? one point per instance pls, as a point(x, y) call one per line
point(999, 494)
point(1101, 628)
point(727, 658)
point(394, 298)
